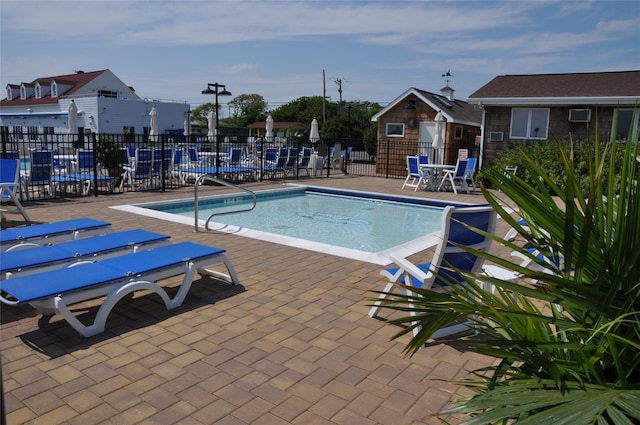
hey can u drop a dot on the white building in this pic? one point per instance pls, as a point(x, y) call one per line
point(105, 104)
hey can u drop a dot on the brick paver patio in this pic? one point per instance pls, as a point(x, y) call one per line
point(294, 345)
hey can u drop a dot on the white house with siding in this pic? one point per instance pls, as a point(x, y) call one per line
point(105, 104)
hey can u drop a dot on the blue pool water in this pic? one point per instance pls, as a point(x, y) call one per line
point(352, 224)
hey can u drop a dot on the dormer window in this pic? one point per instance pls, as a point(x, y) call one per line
point(26, 90)
point(54, 89)
point(38, 91)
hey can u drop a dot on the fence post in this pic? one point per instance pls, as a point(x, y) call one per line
point(92, 141)
point(387, 164)
point(162, 170)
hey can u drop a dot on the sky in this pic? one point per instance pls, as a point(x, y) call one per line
point(284, 50)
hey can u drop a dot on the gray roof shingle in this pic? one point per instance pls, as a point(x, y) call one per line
point(593, 84)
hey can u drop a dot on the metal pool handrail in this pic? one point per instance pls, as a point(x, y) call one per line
point(199, 181)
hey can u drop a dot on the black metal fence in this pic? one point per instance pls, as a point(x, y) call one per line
point(70, 165)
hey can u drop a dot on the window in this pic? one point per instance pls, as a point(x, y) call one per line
point(54, 89)
point(108, 93)
point(395, 130)
point(459, 131)
point(529, 123)
point(625, 126)
point(38, 91)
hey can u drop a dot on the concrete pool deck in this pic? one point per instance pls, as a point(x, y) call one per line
point(294, 346)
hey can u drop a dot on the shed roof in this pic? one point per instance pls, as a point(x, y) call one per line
point(454, 111)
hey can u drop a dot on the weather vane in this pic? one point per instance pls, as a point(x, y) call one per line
point(447, 76)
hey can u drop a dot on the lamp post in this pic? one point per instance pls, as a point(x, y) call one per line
point(217, 92)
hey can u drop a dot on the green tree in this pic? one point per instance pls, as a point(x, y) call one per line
point(247, 109)
point(568, 341)
point(303, 109)
point(200, 113)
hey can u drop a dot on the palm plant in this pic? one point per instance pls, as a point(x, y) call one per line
point(567, 340)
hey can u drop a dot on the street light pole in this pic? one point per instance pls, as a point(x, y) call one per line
point(216, 91)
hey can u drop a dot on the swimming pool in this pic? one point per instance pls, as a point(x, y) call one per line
point(350, 224)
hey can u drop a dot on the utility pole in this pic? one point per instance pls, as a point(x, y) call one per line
point(339, 84)
point(324, 98)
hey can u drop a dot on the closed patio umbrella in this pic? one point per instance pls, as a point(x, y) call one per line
point(187, 129)
point(153, 125)
point(269, 128)
point(211, 123)
point(438, 139)
point(314, 135)
point(73, 118)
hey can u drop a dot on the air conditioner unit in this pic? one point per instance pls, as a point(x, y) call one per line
point(496, 136)
point(579, 115)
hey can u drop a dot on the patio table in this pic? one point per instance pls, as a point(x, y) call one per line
point(436, 170)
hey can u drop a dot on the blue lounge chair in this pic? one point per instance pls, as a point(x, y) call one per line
point(513, 232)
point(10, 182)
point(66, 254)
point(114, 278)
point(48, 233)
point(441, 271)
point(548, 262)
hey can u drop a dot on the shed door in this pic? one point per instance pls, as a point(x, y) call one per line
point(427, 133)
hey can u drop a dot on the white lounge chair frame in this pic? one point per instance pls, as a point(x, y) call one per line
point(95, 280)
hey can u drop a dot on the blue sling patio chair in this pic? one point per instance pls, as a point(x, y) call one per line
point(456, 176)
point(280, 164)
point(442, 271)
point(39, 177)
point(304, 163)
point(292, 161)
point(470, 173)
point(10, 183)
point(176, 166)
point(161, 166)
point(110, 280)
point(139, 174)
point(84, 172)
point(415, 175)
